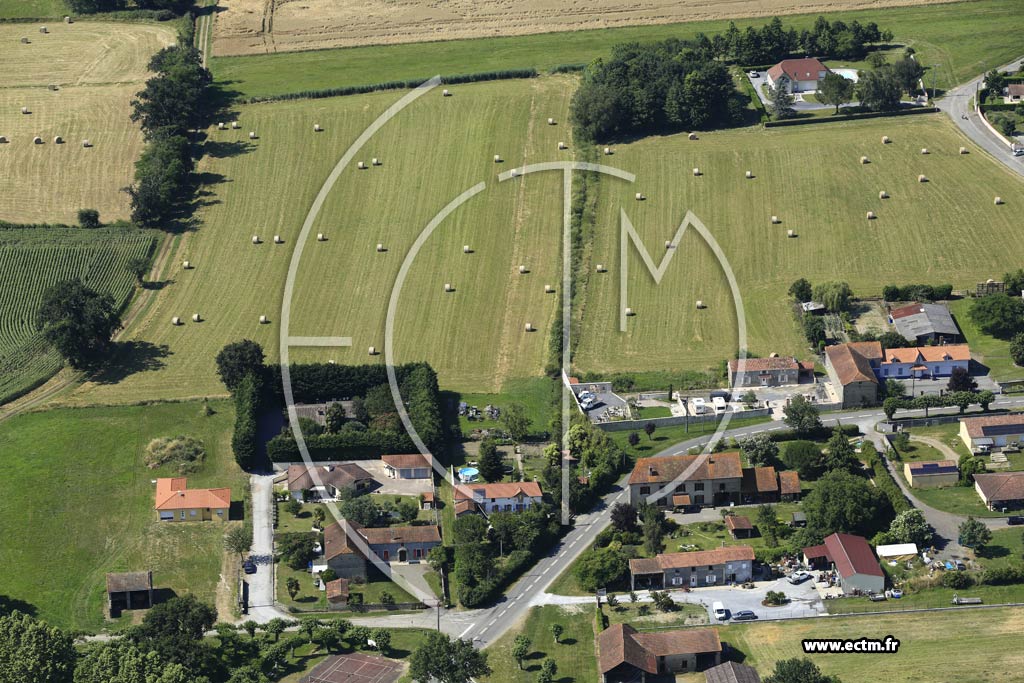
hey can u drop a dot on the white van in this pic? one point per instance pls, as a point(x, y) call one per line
point(719, 610)
point(719, 403)
point(699, 406)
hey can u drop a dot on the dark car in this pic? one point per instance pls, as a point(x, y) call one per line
point(249, 567)
point(1014, 520)
point(745, 615)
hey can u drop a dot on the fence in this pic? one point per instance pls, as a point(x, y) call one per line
point(625, 425)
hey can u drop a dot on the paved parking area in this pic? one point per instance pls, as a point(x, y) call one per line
point(804, 600)
point(394, 487)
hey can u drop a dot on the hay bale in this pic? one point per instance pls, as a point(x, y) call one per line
point(883, 195)
point(865, 160)
point(523, 270)
point(871, 215)
point(775, 220)
point(221, 126)
point(3, 140)
point(515, 173)
point(750, 175)
point(234, 125)
point(608, 151)
point(963, 150)
point(278, 240)
point(37, 140)
point(998, 201)
point(263, 320)
point(43, 29)
point(196, 318)
point(601, 268)
point(320, 237)
point(67, 20)
point(58, 140)
point(529, 327)
point(700, 305)
point(361, 166)
point(696, 171)
point(640, 197)
point(446, 93)
point(255, 239)
point(24, 41)
point(924, 150)
point(922, 179)
point(375, 162)
point(24, 110)
point(886, 140)
point(668, 244)
point(691, 136)
point(630, 311)
point(187, 265)
point(466, 249)
point(86, 143)
point(252, 135)
point(548, 289)
point(448, 287)
point(373, 351)
point(790, 233)
point(562, 145)
point(175, 321)
point(52, 87)
point(497, 159)
point(551, 122)
point(381, 248)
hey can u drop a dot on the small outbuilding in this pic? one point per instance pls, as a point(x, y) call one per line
point(129, 590)
point(408, 466)
point(932, 474)
point(739, 526)
point(852, 558)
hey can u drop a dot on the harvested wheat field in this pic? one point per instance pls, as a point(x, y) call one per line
point(261, 26)
point(96, 68)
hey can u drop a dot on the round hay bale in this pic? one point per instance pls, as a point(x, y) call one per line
point(529, 327)
point(255, 239)
point(924, 150)
point(750, 175)
point(691, 136)
point(601, 268)
point(278, 240)
point(497, 158)
point(3, 140)
point(639, 197)
point(963, 150)
point(608, 151)
point(446, 93)
point(37, 140)
point(886, 140)
point(187, 265)
point(67, 20)
point(320, 237)
point(43, 29)
point(317, 128)
point(196, 318)
point(865, 160)
point(922, 179)
point(562, 145)
point(375, 161)
point(775, 220)
point(668, 244)
point(696, 171)
point(234, 125)
point(263, 320)
point(175, 321)
point(361, 166)
point(221, 126)
point(790, 233)
point(448, 287)
point(86, 143)
point(466, 249)
point(252, 135)
point(548, 289)
point(700, 304)
point(373, 351)
point(523, 270)
point(871, 215)
point(883, 195)
point(24, 110)
point(629, 311)
point(551, 122)
point(515, 173)
point(998, 201)
point(58, 140)
point(24, 41)
point(381, 248)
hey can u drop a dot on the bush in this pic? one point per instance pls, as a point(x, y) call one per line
point(245, 441)
point(917, 292)
point(185, 452)
point(89, 218)
point(958, 580)
point(1003, 576)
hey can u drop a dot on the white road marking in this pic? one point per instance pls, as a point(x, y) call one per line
point(468, 629)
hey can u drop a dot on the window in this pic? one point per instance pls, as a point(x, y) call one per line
point(182, 516)
point(677, 580)
point(387, 555)
point(721, 487)
point(699, 486)
point(220, 513)
point(417, 553)
point(645, 490)
point(191, 513)
point(681, 488)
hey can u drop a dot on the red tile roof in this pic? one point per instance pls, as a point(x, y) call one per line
point(337, 590)
point(173, 494)
point(734, 522)
point(789, 482)
point(531, 489)
point(852, 555)
point(1001, 485)
point(406, 461)
point(680, 641)
point(340, 476)
point(852, 362)
point(706, 466)
point(681, 500)
point(764, 364)
point(976, 426)
point(929, 354)
point(806, 69)
point(617, 645)
point(699, 558)
point(337, 542)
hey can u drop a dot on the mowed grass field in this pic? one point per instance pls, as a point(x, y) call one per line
point(98, 67)
point(32, 259)
point(945, 230)
point(433, 151)
point(964, 38)
point(76, 502)
point(20, 9)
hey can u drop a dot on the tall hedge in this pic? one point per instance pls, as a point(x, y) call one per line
point(245, 442)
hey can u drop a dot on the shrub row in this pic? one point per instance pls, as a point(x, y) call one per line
point(319, 382)
point(822, 432)
point(567, 68)
point(245, 441)
point(883, 479)
point(393, 85)
point(346, 445)
point(1002, 576)
point(851, 117)
point(1001, 106)
point(517, 562)
point(917, 292)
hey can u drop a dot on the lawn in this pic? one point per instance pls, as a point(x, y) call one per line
point(989, 351)
point(33, 259)
point(964, 39)
point(77, 503)
point(626, 612)
point(949, 231)
point(927, 641)
point(948, 434)
point(21, 9)
point(574, 655)
point(97, 67)
point(665, 437)
point(473, 336)
point(535, 394)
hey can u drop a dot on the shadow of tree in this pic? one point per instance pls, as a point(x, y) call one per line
point(9, 604)
point(156, 284)
point(128, 358)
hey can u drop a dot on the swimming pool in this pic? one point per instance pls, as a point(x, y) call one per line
point(468, 474)
point(848, 74)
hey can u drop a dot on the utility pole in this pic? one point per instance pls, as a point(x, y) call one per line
point(934, 66)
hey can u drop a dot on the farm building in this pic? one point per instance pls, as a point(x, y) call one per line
point(813, 307)
point(982, 434)
point(399, 544)
point(410, 466)
point(852, 558)
point(760, 485)
point(499, 497)
point(932, 474)
point(924, 362)
point(333, 479)
point(624, 654)
point(337, 593)
point(851, 367)
point(728, 564)
point(925, 323)
point(767, 372)
point(789, 486)
point(732, 672)
point(897, 551)
point(175, 502)
point(797, 75)
point(1014, 93)
point(1001, 490)
point(129, 590)
point(739, 526)
point(716, 480)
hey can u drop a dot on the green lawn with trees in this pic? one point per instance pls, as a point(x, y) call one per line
point(992, 352)
point(573, 654)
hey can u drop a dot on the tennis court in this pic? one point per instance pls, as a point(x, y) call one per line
point(355, 668)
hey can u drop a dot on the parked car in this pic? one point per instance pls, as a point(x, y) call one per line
point(1014, 520)
point(720, 612)
point(249, 567)
point(798, 577)
point(744, 615)
point(753, 74)
point(960, 566)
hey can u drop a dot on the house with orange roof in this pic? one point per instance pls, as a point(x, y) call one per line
point(728, 564)
point(923, 362)
point(708, 479)
point(175, 502)
point(497, 497)
point(797, 75)
point(627, 655)
point(852, 369)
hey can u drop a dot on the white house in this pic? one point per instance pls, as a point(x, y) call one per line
point(797, 75)
point(499, 497)
point(924, 361)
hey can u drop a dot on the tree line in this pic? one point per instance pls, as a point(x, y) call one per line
point(97, 6)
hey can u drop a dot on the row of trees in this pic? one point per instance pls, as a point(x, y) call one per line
point(172, 103)
point(96, 6)
point(917, 292)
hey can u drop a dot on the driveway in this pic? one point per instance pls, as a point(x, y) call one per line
point(761, 79)
point(261, 584)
